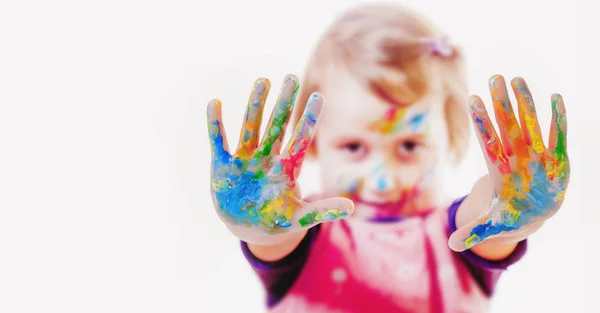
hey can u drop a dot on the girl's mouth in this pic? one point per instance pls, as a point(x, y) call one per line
point(386, 206)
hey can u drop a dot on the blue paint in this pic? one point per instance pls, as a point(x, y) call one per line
point(239, 195)
point(381, 183)
point(282, 221)
point(480, 123)
point(379, 177)
point(417, 121)
point(241, 199)
point(221, 155)
point(538, 202)
point(311, 118)
point(277, 168)
point(489, 229)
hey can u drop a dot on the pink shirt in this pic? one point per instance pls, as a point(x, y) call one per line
point(401, 265)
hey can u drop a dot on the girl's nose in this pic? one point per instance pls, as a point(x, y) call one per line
point(381, 180)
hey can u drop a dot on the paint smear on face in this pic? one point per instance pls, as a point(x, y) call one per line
point(396, 119)
point(351, 188)
point(379, 176)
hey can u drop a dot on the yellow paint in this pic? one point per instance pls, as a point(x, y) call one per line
point(471, 241)
point(388, 124)
point(536, 141)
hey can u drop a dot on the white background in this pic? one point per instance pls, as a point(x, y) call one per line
point(104, 162)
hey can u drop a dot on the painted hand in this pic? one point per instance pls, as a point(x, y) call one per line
point(254, 191)
point(529, 179)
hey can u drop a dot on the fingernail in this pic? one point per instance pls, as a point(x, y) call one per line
point(261, 86)
point(214, 109)
point(476, 105)
point(259, 92)
point(496, 80)
point(557, 103)
point(314, 106)
point(518, 82)
point(289, 90)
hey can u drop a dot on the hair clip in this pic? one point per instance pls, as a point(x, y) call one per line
point(439, 46)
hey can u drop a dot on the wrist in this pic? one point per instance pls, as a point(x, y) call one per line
point(277, 251)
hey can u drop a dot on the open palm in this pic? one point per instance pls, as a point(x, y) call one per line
point(529, 179)
point(255, 190)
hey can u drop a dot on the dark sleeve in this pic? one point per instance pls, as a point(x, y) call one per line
point(278, 277)
point(486, 273)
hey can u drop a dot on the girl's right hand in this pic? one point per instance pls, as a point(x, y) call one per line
point(254, 191)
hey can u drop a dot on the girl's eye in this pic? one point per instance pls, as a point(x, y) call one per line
point(353, 147)
point(409, 145)
point(407, 148)
point(355, 150)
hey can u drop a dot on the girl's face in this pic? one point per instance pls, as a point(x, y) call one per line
point(388, 159)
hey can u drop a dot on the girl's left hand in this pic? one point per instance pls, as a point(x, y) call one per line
point(529, 179)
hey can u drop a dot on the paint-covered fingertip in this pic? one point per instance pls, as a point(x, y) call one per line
point(262, 83)
point(558, 104)
point(213, 109)
point(214, 102)
point(457, 244)
point(291, 78)
point(496, 80)
point(475, 103)
point(314, 107)
point(556, 97)
point(348, 205)
point(518, 82)
point(316, 97)
point(289, 89)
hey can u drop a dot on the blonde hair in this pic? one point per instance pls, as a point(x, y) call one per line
point(393, 51)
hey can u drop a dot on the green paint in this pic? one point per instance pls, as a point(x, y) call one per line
point(281, 115)
point(561, 147)
point(260, 175)
point(308, 219)
point(315, 216)
point(293, 99)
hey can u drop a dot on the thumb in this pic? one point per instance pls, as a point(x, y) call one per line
point(326, 210)
point(470, 234)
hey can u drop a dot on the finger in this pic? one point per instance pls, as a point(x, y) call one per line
point(558, 129)
point(303, 136)
point(325, 210)
point(470, 235)
point(510, 132)
point(216, 132)
point(253, 117)
point(486, 134)
point(532, 134)
point(271, 142)
point(514, 236)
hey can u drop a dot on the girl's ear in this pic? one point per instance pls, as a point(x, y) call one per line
point(312, 150)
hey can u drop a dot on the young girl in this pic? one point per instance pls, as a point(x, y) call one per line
point(396, 116)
